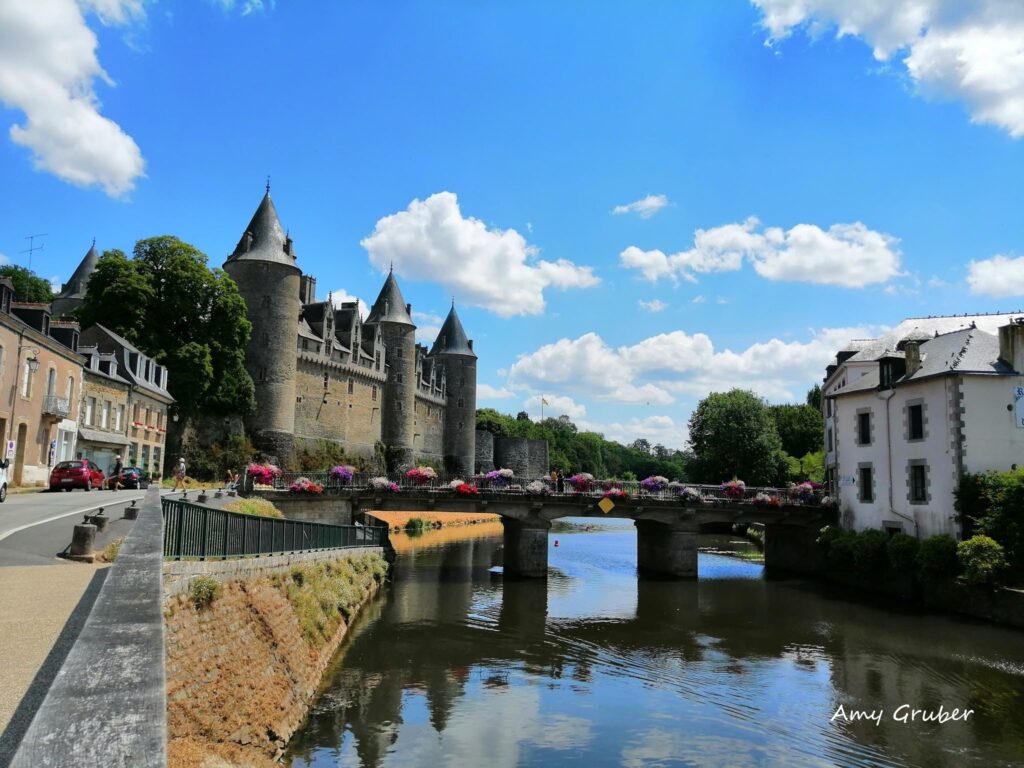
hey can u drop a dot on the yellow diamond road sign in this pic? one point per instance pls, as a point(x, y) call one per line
point(606, 505)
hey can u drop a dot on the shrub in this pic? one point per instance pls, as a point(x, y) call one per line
point(416, 525)
point(840, 551)
point(903, 550)
point(937, 556)
point(981, 560)
point(203, 590)
point(254, 506)
point(828, 534)
point(993, 503)
point(870, 551)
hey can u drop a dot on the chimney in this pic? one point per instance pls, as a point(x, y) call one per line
point(1011, 344)
point(913, 352)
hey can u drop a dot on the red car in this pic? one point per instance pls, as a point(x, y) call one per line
point(80, 473)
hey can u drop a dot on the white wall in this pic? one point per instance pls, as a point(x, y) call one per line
point(992, 441)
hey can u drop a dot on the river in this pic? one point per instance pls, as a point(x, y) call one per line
point(453, 666)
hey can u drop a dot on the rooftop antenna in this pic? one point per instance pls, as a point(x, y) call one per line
point(32, 247)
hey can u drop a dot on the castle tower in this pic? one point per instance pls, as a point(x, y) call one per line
point(393, 316)
point(263, 266)
point(454, 353)
point(72, 293)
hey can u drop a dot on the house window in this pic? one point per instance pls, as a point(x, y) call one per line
point(119, 418)
point(915, 422)
point(828, 406)
point(105, 415)
point(51, 383)
point(864, 428)
point(866, 481)
point(26, 381)
point(69, 388)
point(829, 433)
point(90, 409)
point(918, 484)
point(886, 378)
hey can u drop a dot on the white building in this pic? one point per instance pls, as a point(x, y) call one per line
point(906, 415)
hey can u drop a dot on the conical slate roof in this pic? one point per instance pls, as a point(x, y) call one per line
point(390, 306)
point(75, 287)
point(264, 239)
point(451, 339)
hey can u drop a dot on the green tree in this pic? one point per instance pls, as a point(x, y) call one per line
point(814, 397)
point(800, 428)
point(732, 434)
point(192, 319)
point(28, 286)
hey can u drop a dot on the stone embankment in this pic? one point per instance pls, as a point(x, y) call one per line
point(242, 668)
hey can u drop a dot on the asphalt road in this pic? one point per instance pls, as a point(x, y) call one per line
point(34, 527)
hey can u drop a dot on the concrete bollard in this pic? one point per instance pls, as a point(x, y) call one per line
point(100, 521)
point(82, 543)
point(131, 512)
point(202, 497)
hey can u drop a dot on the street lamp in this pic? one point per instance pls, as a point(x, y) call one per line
point(33, 363)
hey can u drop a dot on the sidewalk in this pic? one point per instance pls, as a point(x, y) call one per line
point(42, 610)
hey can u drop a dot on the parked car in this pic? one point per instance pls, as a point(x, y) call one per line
point(80, 473)
point(4, 464)
point(132, 477)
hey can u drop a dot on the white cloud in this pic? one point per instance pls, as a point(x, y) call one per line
point(48, 67)
point(341, 296)
point(999, 276)
point(658, 430)
point(586, 364)
point(654, 305)
point(487, 392)
point(968, 51)
point(428, 325)
point(491, 268)
point(246, 6)
point(644, 208)
point(658, 368)
point(699, 300)
point(849, 255)
point(556, 406)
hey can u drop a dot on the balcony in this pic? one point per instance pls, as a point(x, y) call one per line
point(57, 406)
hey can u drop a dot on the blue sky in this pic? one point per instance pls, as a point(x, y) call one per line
point(787, 174)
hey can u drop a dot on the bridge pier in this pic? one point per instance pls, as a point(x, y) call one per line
point(667, 550)
point(526, 547)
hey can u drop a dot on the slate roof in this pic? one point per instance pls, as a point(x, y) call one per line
point(75, 287)
point(927, 327)
point(451, 339)
point(265, 239)
point(390, 306)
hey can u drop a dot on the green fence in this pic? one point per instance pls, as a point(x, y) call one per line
point(192, 531)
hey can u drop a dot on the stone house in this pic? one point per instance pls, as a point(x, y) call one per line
point(908, 414)
point(41, 378)
point(126, 392)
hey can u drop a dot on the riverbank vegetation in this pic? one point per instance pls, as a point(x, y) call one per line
point(992, 504)
point(399, 521)
point(254, 506)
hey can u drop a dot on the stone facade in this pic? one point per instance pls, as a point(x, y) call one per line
point(322, 372)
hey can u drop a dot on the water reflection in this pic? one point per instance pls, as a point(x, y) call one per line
point(454, 666)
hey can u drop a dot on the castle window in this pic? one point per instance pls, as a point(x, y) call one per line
point(462, 381)
point(462, 403)
point(305, 344)
point(400, 409)
point(399, 353)
point(262, 374)
point(266, 300)
point(373, 393)
point(398, 378)
point(326, 380)
point(351, 386)
point(298, 399)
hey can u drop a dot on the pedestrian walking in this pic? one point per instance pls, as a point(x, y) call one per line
point(114, 481)
point(179, 475)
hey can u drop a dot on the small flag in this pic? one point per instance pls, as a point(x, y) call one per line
point(543, 401)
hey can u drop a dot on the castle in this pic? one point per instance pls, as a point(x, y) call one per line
point(324, 373)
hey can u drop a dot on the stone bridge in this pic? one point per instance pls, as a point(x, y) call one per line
point(666, 525)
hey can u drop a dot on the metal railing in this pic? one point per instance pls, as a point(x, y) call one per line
point(57, 406)
point(692, 493)
point(193, 531)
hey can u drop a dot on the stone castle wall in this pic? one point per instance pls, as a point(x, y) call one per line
point(484, 451)
point(428, 426)
point(351, 418)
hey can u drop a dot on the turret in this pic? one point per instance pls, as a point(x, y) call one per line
point(453, 354)
point(263, 265)
point(393, 317)
point(72, 293)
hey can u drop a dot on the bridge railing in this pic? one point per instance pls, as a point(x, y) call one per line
point(193, 531)
point(442, 484)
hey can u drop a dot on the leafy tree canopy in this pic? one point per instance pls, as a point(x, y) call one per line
point(814, 397)
point(733, 434)
point(192, 319)
point(800, 428)
point(28, 286)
